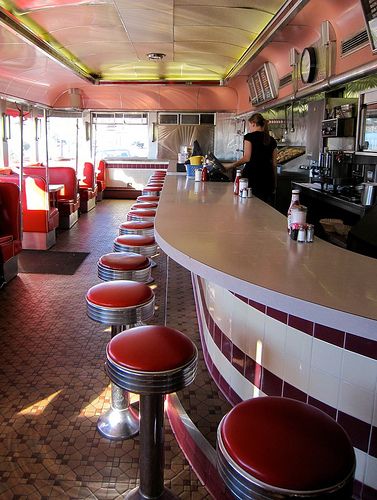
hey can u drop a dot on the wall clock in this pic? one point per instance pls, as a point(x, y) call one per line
point(308, 65)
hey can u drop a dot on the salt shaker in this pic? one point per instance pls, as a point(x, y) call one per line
point(301, 237)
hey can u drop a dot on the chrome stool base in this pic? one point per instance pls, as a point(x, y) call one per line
point(119, 424)
point(135, 494)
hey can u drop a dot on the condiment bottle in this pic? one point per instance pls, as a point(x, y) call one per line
point(295, 201)
point(204, 174)
point(236, 185)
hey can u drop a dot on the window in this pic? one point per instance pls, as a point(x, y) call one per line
point(120, 135)
point(186, 118)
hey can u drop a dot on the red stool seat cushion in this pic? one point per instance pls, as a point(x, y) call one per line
point(151, 349)
point(143, 212)
point(144, 205)
point(287, 443)
point(146, 197)
point(136, 240)
point(152, 189)
point(121, 293)
point(124, 261)
point(137, 224)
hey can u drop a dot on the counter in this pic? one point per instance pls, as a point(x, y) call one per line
point(278, 317)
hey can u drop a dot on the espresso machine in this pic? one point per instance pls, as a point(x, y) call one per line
point(333, 171)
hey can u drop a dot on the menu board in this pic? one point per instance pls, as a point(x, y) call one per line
point(262, 85)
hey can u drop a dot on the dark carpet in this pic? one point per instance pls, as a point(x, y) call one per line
point(49, 261)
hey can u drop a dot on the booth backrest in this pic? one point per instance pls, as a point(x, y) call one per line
point(35, 202)
point(66, 176)
point(101, 171)
point(58, 175)
point(88, 176)
point(10, 215)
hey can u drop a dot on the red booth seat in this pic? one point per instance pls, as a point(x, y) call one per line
point(39, 219)
point(88, 188)
point(10, 230)
point(101, 179)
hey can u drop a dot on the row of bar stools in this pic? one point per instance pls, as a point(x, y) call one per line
point(122, 305)
point(137, 227)
point(280, 448)
point(151, 361)
point(125, 266)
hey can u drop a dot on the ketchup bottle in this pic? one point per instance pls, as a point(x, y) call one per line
point(204, 174)
point(236, 185)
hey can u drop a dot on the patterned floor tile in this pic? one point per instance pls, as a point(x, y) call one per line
point(53, 386)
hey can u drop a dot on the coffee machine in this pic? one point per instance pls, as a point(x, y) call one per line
point(334, 170)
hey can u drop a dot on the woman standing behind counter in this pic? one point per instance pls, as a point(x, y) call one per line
point(259, 156)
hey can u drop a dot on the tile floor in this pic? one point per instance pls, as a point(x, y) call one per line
point(53, 386)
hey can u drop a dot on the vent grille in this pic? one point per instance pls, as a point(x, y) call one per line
point(357, 41)
point(285, 80)
point(262, 84)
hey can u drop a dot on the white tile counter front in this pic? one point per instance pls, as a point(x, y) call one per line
point(278, 317)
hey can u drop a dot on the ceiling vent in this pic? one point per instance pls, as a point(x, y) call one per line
point(354, 43)
point(285, 80)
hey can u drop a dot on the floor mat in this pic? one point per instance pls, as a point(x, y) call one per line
point(50, 262)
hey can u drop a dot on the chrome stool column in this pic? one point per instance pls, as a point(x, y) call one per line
point(151, 361)
point(125, 266)
point(121, 304)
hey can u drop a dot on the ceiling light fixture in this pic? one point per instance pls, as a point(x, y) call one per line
point(156, 56)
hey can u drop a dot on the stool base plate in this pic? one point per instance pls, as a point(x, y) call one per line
point(119, 424)
point(135, 494)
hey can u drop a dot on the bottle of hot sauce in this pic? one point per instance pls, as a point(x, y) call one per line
point(204, 174)
point(236, 185)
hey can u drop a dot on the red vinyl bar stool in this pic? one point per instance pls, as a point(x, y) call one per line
point(155, 181)
point(125, 266)
point(144, 205)
point(143, 198)
point(151, 191)
point(122, 305)
point(151, 361)
point(142, 214)
point(137, 227)
point(138, 243)
point(280, 448)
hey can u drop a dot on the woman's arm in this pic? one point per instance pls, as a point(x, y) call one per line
point(246, 155)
